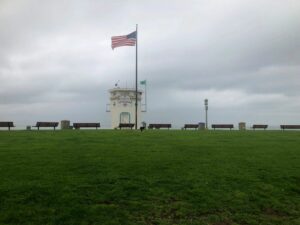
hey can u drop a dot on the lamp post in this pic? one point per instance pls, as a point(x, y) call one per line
point(206, 108)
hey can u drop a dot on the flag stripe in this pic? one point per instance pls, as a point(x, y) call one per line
point(124, 40)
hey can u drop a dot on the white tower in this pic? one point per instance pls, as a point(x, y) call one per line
point(122, 106)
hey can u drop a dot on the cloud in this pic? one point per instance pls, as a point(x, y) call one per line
point(243, 56)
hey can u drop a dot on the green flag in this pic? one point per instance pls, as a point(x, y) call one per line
point(143, 82)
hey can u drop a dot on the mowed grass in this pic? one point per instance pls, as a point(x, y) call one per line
point(155, 177)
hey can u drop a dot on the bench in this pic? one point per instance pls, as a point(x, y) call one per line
point(46, 124)
point(259, 126)
point(195, 126)
point(7, 124)
point(230, 126)
point(159, 125)
point(126, 125)
point(283, 127)
point(79, 125)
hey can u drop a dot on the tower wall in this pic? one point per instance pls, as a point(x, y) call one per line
point(122, 106)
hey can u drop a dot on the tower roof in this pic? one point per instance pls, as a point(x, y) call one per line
point(118, 89)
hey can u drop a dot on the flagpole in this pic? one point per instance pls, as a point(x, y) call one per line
point(146, 96)
point(136, 77)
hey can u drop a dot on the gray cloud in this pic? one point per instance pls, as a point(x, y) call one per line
point(56, 61)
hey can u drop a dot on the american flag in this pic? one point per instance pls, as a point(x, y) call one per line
point(124, 40)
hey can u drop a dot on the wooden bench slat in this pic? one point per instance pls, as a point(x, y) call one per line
point(230, 126)
point(46, 124)
point(159, 125)
point(126, 125)
point(186, 126)
point(7, 124)
point(289, 127)
point(79, 125)
point(259, 126)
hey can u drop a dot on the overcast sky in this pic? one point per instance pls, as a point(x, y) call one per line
point(56, 60)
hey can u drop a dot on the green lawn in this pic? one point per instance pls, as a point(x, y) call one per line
point(155, 177)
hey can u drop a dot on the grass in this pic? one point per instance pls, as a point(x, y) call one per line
point(155, 177)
